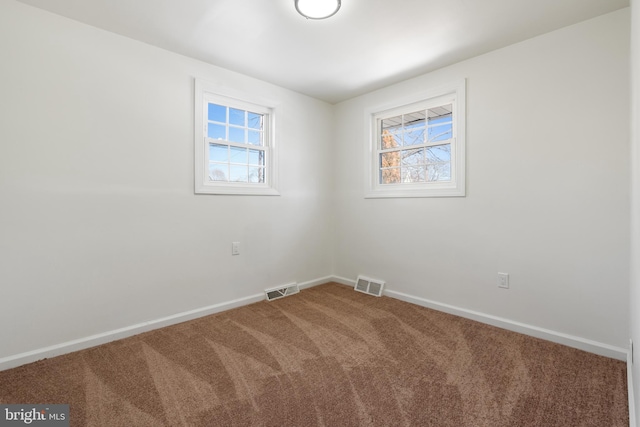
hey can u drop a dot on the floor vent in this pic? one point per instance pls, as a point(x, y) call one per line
point(369, 286)
point(282, 291)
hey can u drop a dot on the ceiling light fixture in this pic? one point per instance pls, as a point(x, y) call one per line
point(317, 9)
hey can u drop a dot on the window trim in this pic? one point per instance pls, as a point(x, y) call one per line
point(205, 92)
point(452, 92)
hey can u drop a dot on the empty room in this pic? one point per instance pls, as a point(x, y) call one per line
point(319, 213)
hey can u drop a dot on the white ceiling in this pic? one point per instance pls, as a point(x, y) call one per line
point(368, 44)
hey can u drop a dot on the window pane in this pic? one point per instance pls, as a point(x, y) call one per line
point(218, 153)
point(413, 174)
point(256, 174)
point(255, 121)
point(256, 157)
point(236, 135)
point(439, 172)
point(413, 120)
point(218, 172)
point(255, 137)
point(390, 159)
point(414, 137)
point(440, 123)
point(216, 131)
point(440, 132)
point(390, 140)
point(440, 120)
point(238, 155)
point(392, 123)
point(237, 117)
point(390, 176)
point(217, 113)
point(412, 157)
point(238, 173)
point(440, 114)
point(439, 153)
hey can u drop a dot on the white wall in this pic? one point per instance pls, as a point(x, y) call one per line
point(634, 299)
point(99, 225)
point(547, 189)
point(100, 229)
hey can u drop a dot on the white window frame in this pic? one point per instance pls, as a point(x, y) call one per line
point(454, 94)
point(206, 92)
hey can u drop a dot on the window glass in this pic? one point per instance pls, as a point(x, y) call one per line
point(408, 130)
point(218, 172)
point(218, 153)
point(236, 135)
point(255, 121)
point(237, 117)
point(217, 131)
point(217, 113)
point(256, 157)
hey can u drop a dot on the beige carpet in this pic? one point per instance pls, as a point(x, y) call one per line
point(328, 356)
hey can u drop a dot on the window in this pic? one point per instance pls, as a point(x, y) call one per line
point(234, 143)
point(416, 146)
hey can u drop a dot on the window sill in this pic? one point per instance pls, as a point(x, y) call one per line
point(236, 189)
point(438, 190)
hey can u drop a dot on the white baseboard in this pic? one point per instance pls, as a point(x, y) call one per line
point(630, 394)
point(523, 328)
point(102, 338)
point(343, 281)
point(105, 337)
point(316, 282)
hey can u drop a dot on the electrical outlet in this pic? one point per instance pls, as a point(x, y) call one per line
point(503, 280)
point(235, 248)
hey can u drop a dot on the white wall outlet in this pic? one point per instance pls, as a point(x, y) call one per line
point(503, 280)
point(235, 248)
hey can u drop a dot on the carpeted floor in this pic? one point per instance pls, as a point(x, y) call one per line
point(328, 356)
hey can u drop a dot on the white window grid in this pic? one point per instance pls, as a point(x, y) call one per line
point(405, 169)
point(449, 161)
point(238, 156)
point(254, 165)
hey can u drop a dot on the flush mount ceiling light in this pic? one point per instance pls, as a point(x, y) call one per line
point(317, 9)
